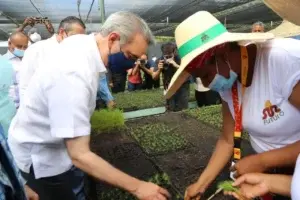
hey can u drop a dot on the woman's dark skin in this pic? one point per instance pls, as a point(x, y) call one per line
point(261, 162)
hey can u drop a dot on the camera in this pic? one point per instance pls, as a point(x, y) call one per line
point(165, 65)
point(143, 62)
point(40, 20)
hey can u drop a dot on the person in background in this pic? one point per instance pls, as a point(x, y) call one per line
point(135, 76)
point(50, 135)
point(205, 96)
point(34, 36)
point(11, 183)
point(104, 96)
point(118, 81)
point(258, 27)
point(263, 76)
point(18, 43)
point(148, 82)
point(37, 54)
point(168, 64)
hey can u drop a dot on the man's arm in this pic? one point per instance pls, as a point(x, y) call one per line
point(27, 21)
point(83, 158)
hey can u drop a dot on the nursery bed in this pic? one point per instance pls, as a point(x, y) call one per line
point(183, 162)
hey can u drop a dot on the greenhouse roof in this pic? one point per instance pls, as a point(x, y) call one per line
point(162, 15)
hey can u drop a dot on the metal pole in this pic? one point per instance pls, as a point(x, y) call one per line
point(102, 10)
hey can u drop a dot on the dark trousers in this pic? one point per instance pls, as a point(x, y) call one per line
point(66, 186)
point(207, 98)
point(180, 100)
point(134, 86)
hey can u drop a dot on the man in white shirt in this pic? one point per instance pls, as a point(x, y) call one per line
point(37, 54)
point(49, 137)
point(17, 44)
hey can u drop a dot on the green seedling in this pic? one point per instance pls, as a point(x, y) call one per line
point(227, 186)
point(106, 120)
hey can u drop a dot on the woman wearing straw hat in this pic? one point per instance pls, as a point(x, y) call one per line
point(258, 80)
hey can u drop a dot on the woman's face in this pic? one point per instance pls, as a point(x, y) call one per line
point(218, 63)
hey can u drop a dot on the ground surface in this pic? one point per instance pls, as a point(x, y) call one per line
point(183, 165)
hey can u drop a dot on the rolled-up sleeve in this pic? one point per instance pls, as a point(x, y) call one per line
point(68, 106)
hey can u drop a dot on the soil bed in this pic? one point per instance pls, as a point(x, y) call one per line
point(183, 166)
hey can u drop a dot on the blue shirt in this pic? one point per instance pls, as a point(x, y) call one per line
point(7, 107)
point(103, 90)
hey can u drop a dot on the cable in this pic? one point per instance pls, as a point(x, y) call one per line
point(36, 8)
point(91, 6)
point(78, 8)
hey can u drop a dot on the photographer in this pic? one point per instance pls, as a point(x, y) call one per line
point(147, 66)
point(134, 74)
point(168, 64)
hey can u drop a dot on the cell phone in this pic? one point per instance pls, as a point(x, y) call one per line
point(40, 20)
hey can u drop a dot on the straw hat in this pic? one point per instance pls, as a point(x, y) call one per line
point(286, 9)
point(286, 29)
point(199, 33)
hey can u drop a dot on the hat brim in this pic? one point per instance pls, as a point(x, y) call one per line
point(181, 74)
point(286, 9)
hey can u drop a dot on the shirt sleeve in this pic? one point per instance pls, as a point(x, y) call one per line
point(284, 69)
point(27, 70)
point(103, 90)
point(68, 105)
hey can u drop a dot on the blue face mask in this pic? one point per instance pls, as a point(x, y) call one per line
point(220, 83)
point(18, 52)
point(118, 63)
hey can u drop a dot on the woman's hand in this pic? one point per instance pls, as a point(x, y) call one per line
point(251, 185)
point(249, 164)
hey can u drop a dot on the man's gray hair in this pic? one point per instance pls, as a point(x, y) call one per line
point(259, 24)
point(127, 24)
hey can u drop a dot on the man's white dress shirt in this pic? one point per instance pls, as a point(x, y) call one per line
point(35, 56)
point(58, 104)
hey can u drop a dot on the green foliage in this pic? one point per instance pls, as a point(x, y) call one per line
point(106, 120)
point(160, 179)
point(144, 98)
point(158, 138)
point(227, 186)
point(209, 114)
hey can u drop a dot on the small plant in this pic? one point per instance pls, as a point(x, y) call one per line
point(162, 180)
point(105, 120)
point(158, 138)
point(227, 186)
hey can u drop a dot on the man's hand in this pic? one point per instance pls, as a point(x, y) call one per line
point(111, 104)
point(30, 194)
point(194, 191)
point(49, 26)
point(160, 65)
point(249, 164)
point(111, 85)
point(251, 186)
point(150, 191)
point(29, 21)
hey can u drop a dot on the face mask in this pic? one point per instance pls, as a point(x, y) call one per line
point(118, 62)
point(18, 52)
point(220, 83)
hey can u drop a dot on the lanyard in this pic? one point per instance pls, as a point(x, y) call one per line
point(238, 109)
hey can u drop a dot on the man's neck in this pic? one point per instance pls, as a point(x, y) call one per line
point(102, 47)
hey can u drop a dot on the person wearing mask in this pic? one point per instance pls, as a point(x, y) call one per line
point(258, 27)
point(11, 184)
point(257, 184)
point(253, 70)
point(50, 134)
point(37, 54)
point(18, 43)
point(135, 76)
point(168, 64)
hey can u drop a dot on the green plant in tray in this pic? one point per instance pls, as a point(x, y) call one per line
point(105, 120)
point(161, 179)
point(158, 138)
